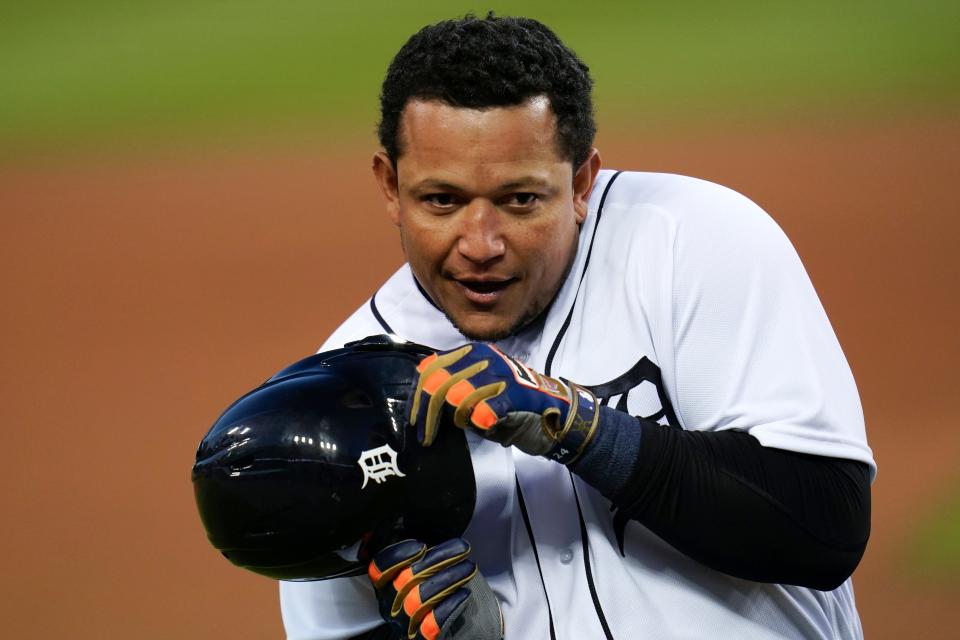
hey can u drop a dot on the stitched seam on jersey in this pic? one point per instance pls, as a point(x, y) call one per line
point(678, 411)
point(536, 556)
point(585, 542)
point(376, 314)
point(586, 264)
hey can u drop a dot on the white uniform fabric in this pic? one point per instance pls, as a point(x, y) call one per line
point(687, 305)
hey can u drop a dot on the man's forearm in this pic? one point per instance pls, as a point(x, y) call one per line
point(728, 502)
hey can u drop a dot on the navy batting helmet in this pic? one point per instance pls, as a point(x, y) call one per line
point(310, 474)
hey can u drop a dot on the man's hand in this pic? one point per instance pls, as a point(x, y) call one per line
point(503, 400)
point(435, 593)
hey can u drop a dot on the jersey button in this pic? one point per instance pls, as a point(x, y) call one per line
point(566, 556)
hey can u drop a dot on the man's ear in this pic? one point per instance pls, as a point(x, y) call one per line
point(583, 181)
point(386, 176)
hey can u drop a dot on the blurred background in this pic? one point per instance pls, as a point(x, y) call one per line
point(186, 207)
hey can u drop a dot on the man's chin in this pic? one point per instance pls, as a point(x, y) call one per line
point(492, 331)
point(487, 335)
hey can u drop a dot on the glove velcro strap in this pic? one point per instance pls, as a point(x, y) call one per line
point(578, 430)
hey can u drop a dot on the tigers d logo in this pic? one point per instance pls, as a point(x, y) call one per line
point(379, 464)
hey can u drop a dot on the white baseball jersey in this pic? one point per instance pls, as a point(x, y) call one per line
point(686, 305)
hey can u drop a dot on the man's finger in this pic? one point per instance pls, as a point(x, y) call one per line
point(427, 367)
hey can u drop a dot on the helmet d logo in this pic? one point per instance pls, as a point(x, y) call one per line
point(379, 464)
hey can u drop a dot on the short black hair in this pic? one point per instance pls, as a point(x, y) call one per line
point(486, 62)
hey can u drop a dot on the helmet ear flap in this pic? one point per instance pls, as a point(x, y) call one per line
point(311, 473)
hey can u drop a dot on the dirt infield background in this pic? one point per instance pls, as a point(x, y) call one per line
point(140, 296)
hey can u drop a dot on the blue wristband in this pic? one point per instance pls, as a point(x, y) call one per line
point(611, 458)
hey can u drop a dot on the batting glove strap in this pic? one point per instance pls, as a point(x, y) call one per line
point(579, 428)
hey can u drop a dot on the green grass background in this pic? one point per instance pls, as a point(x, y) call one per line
point(935, 552)
point(145, 70)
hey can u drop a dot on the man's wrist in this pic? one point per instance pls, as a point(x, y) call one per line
point(579, 428)
point(609, 461)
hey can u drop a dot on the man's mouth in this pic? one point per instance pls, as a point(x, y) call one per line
point(483, 291)
point(490, 286)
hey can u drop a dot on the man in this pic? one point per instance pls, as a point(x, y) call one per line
point(700, 467)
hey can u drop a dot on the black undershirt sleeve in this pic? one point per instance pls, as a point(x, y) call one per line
point(725, 500)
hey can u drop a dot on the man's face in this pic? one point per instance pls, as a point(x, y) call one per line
point(488, 211)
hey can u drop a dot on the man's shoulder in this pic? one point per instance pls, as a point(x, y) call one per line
point(399, 307)
point(674, 194)
point(681, 203)
point(369, 318)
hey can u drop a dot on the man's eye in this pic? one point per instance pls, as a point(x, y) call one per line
point(440, 199)
point(522, 199)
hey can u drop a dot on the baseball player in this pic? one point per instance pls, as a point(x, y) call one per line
point(666, 438)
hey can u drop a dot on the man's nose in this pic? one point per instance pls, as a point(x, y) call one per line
point(481, 234)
